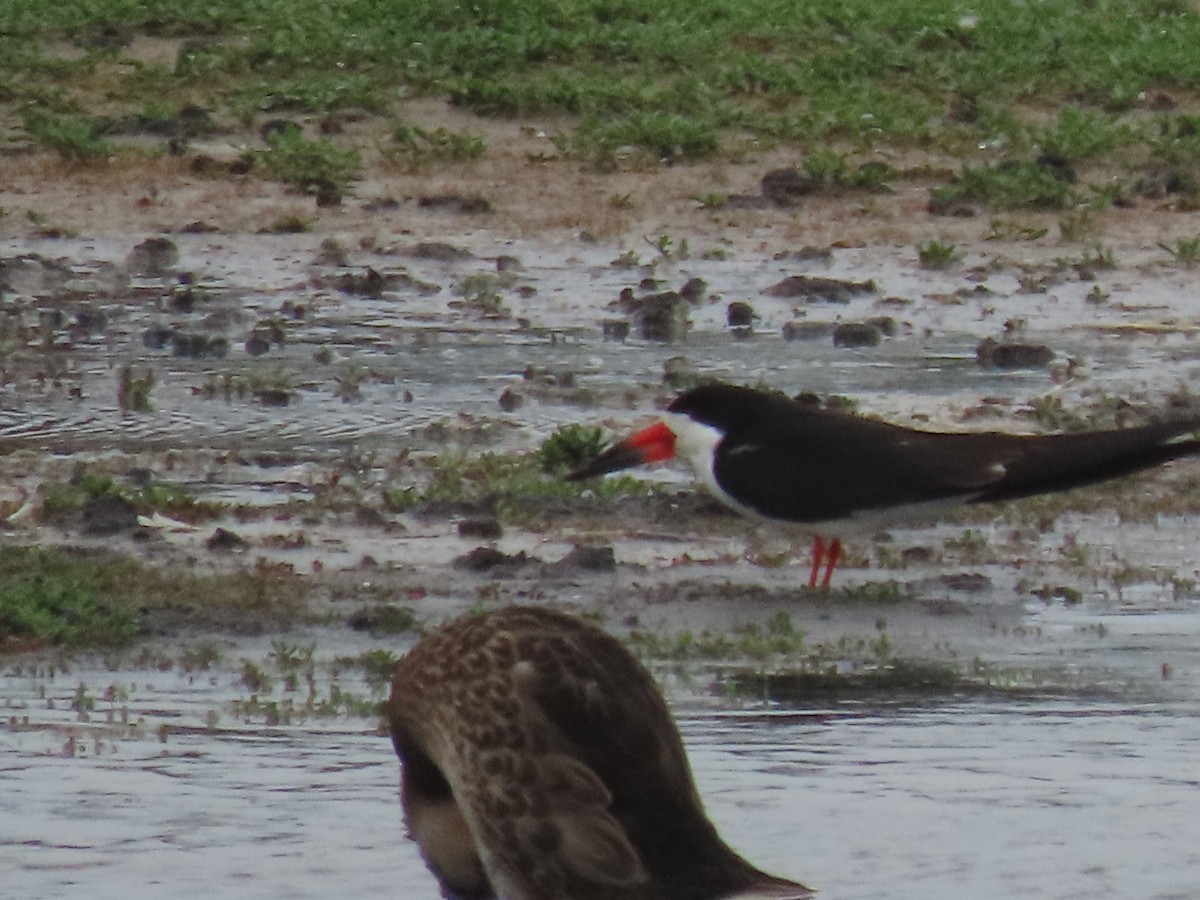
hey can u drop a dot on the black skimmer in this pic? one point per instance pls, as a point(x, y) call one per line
point(834, 474)
point(539, 762)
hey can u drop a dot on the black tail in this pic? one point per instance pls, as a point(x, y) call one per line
point(1062, 461)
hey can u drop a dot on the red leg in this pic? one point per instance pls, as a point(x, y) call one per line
point(835, 556)
point(818, 557)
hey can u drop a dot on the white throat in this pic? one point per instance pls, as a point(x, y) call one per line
point(696, 444)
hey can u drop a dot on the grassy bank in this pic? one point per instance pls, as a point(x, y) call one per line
point(673, 78)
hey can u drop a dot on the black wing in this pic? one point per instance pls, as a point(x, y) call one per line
point(813, 466)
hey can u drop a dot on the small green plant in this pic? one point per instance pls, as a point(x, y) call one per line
point(1098, 257)
point(311, 92)
point(1186, 251)
point(71, 137)
point(290, 658)
point(711, 201)
point(1009, 185)
point(627, 260)
point(1077, 225)
point(663, 136)
point(63, 499)
point(133, 392)
point(570, 447)
point(937, 254)
point(480, 292)
point(825, 166)
point(1082, 134)
point(255, 679)
point(292, 223)
point(420, 147)
point(668, 248)
point(309, 164)
point(44, 601)
point(376, 665)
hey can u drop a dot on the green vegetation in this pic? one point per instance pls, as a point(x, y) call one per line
point(570, 447)
point(376, 666)
point(71, 137)
point(48, 597)
point(515, 486)
point(133, 391)
point(639, 80)
point(937, 254)
point(311, 688)
point(1186, 251)
point(777, 639)
point(310, 164)
point(78, 599)
point(481, 292)
point(829, 169)
point(62, 499)
point(1012, 184)
point(419, 147)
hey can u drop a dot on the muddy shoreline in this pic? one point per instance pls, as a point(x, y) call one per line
point(296, 380)
point(350, 412)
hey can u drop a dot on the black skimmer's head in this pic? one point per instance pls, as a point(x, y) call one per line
point(540, 762)
point(834, 474)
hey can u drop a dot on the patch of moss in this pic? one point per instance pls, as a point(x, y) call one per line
point(46, 598)
point(78, 599)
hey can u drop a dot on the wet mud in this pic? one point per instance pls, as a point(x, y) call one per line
point(293, 381)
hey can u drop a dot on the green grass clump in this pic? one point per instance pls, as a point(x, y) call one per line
point(46, 598)
point(310, 164)
point(936, 254)
point(1014, 184)
point(85, 599)
point(71, 137)
point(664, 137)
point(1083, 134)
point(419, 147)
point(517, 487)
point(62, 499)
point(832, 170)
point(1186, 251)
point(311, 92)
point(570, 447)
point(133, 390)
point(376, 666)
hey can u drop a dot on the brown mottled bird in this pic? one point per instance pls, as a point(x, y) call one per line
point(540, 762)
point(831, 474)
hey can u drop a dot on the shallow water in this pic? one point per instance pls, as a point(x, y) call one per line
point(1087, 791)
point(1049, 798)
point(454, 361)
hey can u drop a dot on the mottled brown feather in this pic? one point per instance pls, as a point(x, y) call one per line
point(543, 741)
